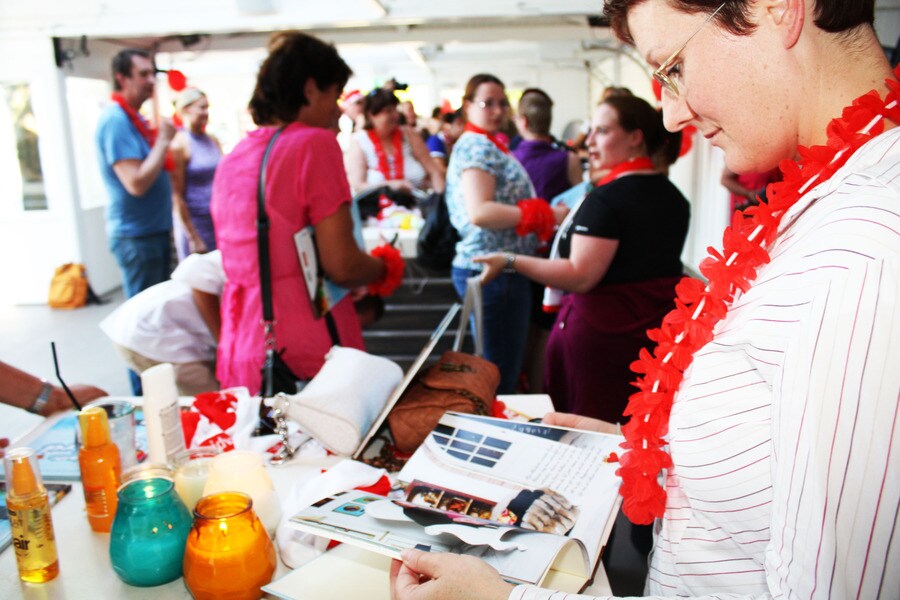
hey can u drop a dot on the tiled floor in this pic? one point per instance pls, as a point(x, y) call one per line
point(85, 354)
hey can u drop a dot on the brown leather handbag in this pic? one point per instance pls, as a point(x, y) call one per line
point(458, 382)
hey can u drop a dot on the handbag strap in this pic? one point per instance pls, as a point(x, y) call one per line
point(472, 307)
point(262, 239)
point(265, 273)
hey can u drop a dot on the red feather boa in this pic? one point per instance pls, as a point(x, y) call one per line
point(699, 306)
point(393, 270)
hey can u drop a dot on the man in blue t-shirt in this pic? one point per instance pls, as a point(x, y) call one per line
point(441, 144)
point(139, 213)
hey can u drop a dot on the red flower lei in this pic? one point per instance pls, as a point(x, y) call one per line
point(142, 126)
point(699, 306)
point(383, 165)
point(496, 141)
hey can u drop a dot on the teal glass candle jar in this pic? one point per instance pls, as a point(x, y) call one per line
point(149, 532)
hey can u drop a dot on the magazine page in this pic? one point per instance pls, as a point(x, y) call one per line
point(389, 526)
point(531, 475)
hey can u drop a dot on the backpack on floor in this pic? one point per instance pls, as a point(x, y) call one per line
point(69, 287)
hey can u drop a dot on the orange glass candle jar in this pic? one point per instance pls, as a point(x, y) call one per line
point(229, 556)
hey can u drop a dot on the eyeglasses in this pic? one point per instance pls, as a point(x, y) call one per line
point(663, 74)
point(490, 104)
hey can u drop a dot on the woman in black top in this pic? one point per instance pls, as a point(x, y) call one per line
point(618, 259)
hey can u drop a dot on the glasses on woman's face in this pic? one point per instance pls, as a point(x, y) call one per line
point(491, 104)
point(666, 74)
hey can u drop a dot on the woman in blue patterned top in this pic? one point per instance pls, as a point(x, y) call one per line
point(489, 196)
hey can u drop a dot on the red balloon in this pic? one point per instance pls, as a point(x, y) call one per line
point(177, 80)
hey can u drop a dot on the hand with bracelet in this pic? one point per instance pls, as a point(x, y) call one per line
point(33, 394)
point(496, 264)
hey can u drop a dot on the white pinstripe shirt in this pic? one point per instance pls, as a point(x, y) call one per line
point(784, 432)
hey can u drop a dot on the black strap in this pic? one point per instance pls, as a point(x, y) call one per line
point(262, 244)
point(262, 235)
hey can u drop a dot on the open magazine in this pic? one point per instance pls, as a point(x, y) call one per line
point(534, 501)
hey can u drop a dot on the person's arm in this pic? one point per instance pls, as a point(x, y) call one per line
point(588, 262)
point(208, 305)
point(576, 173)
point(138, 176)
point(181, 155)
point(478, 188)
point(341, 259)
point(421, 154)
point(19, 389)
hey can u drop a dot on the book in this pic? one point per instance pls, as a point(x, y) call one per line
point(55, 492)
point(536, 502)
point(323, 293)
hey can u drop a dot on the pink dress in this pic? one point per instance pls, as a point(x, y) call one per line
point(306, 183)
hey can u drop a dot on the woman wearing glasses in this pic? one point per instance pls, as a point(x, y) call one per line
point(772, 397)
point(489, 197)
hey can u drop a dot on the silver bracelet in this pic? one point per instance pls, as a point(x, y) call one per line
point(40, 403)
point(510, 266)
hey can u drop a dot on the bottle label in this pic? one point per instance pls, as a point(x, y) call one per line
point(96, 502)
point(32, 536)
point(173, 438)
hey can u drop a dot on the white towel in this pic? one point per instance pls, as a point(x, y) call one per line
point(345, 397)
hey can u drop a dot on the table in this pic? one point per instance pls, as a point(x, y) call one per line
point(85, 569)
point(406, 239)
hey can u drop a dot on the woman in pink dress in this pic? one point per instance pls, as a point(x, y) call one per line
point(297, 89)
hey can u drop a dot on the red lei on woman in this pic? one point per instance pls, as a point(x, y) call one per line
point(142, 126)
point(641, 163)
point(384, 166)
point(700, 306)
point(496, 141)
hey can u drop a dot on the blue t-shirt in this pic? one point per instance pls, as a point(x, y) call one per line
point(475, 151)
point(126, 215)
point(437, 146)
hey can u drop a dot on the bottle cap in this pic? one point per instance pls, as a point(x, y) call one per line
point(22, 472)
point(94, 427)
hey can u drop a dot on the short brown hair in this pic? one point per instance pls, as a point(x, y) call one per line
point(833, 16)
point(477, 80)
point(537, 108)
point(294, 58)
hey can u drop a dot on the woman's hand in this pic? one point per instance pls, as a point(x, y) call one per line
point(437, 576)
point(579, 422)
point(493, 266)
point(196, 244)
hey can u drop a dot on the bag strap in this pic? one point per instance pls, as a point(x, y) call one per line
point(471, 304)
point(265, 275)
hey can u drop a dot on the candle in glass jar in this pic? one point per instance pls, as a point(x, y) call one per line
point(191, 473)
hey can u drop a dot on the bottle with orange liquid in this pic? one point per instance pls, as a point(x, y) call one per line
point(101, 468)
point(29, 517)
